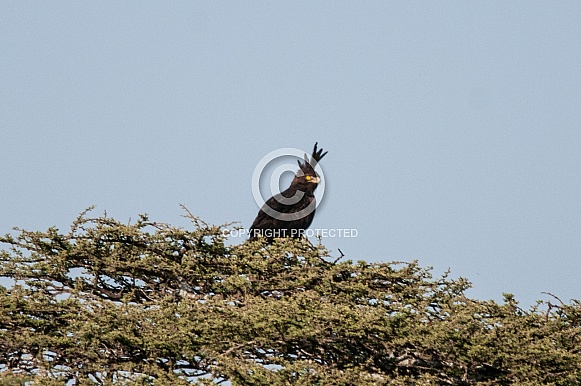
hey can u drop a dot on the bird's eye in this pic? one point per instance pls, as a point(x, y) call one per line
point(308, 178)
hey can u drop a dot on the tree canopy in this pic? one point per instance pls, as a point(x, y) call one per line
point(139, 303)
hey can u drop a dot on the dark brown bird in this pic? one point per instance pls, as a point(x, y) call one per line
point(289, 213)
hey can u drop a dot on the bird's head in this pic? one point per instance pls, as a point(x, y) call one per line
point(306, 177)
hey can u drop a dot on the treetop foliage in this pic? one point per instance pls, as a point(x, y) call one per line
point(149, 303)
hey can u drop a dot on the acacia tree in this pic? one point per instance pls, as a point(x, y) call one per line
point(149, 303)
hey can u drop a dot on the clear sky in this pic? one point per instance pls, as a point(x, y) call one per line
point(453, 128)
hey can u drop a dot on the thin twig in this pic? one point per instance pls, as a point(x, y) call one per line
point(554, 296)
point(340, 257)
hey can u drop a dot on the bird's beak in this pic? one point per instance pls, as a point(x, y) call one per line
point(315, 180)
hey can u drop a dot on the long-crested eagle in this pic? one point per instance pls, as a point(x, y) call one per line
point(289, 213)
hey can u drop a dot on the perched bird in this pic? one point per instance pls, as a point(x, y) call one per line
point(289, 213)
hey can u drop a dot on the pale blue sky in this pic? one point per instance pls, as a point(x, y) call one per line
point(453, 128)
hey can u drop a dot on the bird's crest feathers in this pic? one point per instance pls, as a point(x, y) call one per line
point(308, 167)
